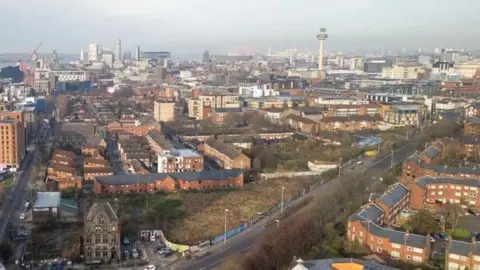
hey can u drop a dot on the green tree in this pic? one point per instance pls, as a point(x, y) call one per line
point(422, 223)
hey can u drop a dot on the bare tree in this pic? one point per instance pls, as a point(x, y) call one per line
point(452, 212)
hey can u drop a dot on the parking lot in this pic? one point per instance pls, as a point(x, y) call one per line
point(148, 251)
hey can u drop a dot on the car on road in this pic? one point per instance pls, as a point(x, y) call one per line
point(134, 253)
point(153, 238)
point(473, 211)
point(127, 254)
point(22, 216)
point(150, 267)
point(26, 206)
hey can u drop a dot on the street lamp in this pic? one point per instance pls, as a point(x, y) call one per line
point(225, 234)
point(339, 166)
point(281, 204)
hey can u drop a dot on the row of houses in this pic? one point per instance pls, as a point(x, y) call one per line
point(371, 225)
point(167, 182)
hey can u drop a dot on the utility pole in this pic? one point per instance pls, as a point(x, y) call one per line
point(225, 228)
point(281, 204)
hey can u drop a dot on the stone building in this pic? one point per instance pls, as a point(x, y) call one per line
point(101, 234)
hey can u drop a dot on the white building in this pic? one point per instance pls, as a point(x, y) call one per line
point(93, 52)
point(68, 75)
point(257, 91)
point(108, 57)
point(184, 74)
point(401, 72)
point(118, 50)
point(339, 101)
point(137, 53)
point(177, 155)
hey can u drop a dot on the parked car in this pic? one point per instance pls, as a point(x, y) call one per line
point(473, 211)
point(153, 238)
point(127, 254)
point(150, 267)
point(166, 254)
point(161, 251)
point(134, 253)
point(22, 216)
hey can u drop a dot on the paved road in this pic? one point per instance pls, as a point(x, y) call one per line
point(245, 240)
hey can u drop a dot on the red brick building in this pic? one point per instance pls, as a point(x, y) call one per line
point(472, 126)
point(348, 123)
point(136, 127)
point(365, 227)
point(163, 182)
point(226, 156)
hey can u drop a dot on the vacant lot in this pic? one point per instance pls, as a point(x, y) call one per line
point(191, 217)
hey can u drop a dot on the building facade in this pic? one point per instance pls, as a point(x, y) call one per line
point(102, 234)
point(166, 111)
point(12, 142)
point(226, 156)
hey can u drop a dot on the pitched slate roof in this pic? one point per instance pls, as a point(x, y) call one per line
point(369, 212)
point(129, 179)
point(397, 237)
point(393, 195)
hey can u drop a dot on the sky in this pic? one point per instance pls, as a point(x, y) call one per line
point(223, 26)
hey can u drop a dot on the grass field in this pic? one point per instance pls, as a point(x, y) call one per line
point(190, 217)
point(459, 233)
point(8, 182)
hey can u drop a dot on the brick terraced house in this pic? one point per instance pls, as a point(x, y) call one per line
point(164, 182)
point(226, 156)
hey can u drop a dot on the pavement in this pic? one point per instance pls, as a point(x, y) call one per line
point(213, 256)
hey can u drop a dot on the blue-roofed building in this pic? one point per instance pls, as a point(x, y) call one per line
point(393, 201)
point(462, 255)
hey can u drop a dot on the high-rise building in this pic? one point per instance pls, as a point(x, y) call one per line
point(206, 56)
point(12, 143)
point(118, 50)
point(108, 58)
point(137, 53)
point(93, 52)
point(81, 55)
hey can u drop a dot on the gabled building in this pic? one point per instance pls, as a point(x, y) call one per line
point(226, 156)
point(101, 234)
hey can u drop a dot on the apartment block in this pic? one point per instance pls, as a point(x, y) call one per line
point(90, 173)
point(354, 109)
point(226, 156)
point(197, 106)
point(180, 160)
point(12, 143)
point(462, 255)
point(136, 127)
point(367, 227)
point(472, 110)
point(301, 124)
point(166, 111)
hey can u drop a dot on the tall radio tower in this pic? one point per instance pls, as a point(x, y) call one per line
point(321, 38)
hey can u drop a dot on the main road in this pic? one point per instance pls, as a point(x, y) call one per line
point(14, 199)
point(242, 242)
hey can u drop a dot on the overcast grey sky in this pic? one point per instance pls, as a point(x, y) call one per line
point(190, 26)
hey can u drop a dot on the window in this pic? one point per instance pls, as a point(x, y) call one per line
point(409, 257)
point(396, 245)
point(409, 248)
point(454, 256)
point(379, 250)
point(417, 259)
point(440, 193)
point(463, 258)
point(418, 250)
point(395, 254)
point(476, 258)
point(433, 193)
point(380, 241)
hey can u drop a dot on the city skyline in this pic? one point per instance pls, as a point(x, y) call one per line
point(183, 27)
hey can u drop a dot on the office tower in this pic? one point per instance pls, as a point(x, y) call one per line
point(81, 55)
point(118, 50)
point(12, 143)
point(206, 56)
point(93, 52)
point(137, 53)
point(108, 58)
point(321, 40)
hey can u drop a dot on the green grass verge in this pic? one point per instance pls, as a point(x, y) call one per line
point(459, 233)
point(8, 182)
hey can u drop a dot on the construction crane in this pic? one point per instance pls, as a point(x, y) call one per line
point(35, 52)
